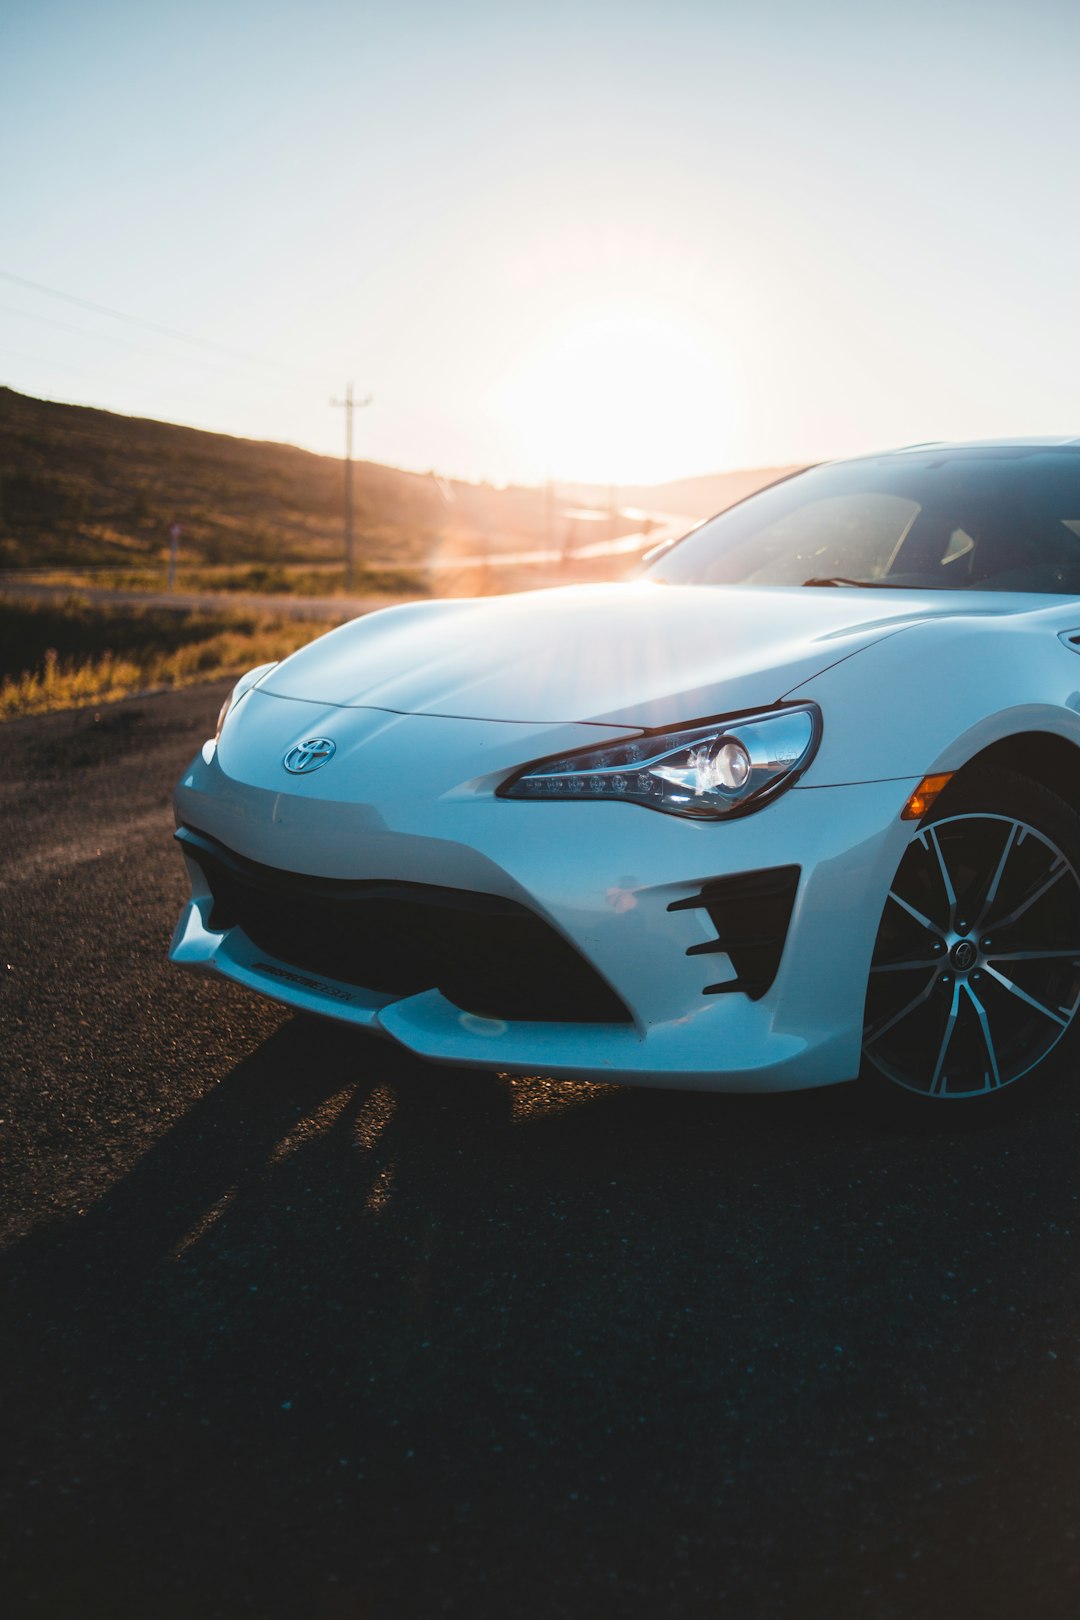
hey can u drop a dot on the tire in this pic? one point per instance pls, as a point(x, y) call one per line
point(974, 988)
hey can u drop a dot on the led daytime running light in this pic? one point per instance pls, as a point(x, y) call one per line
point(706, 772)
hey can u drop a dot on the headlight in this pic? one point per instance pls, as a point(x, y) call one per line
point(710, 771)
point(244, 684)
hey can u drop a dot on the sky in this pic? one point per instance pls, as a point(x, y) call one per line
point(617, 242)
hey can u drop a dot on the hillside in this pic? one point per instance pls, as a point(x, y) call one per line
point(82, 487)
point(85, 486)
point(702, 496)
point(697, 497)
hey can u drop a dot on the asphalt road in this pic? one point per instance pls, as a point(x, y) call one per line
point(292, 1325)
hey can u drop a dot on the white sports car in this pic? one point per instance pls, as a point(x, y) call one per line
point(797, 805)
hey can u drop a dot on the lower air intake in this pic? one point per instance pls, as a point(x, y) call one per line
point(487, 955)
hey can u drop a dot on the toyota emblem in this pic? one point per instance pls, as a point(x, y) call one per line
point(308, 755)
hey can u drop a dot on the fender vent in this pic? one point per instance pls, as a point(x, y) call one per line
point(751, 913)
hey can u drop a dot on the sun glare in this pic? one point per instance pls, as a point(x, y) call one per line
point(624, 397)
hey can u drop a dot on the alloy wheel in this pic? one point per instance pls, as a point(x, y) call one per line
point(976, 971)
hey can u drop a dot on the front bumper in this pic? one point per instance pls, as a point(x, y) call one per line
point(604, 876)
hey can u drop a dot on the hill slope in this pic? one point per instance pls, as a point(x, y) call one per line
point(86, 486)
point(83, 487)
point(697, 497)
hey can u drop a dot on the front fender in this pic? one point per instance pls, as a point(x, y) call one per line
point(934, 695)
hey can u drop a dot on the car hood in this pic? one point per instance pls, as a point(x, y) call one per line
point(641, 654)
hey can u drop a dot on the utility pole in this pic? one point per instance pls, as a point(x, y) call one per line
point(349, 405)
point(175, 531)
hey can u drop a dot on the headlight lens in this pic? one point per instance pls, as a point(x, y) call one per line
point(710, 772)
point(244, 684)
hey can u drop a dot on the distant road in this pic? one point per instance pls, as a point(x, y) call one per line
point(337, 609)
point(663, 526)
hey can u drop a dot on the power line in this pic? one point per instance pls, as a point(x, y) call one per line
point(99, 374)
point(67, 326)
point(132, 345)
point(152, 326)
point(65, 366)
point(178, 336)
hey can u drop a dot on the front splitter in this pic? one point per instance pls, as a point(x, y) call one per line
point(680, 1054)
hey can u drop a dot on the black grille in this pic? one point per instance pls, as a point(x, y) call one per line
point(487, 955)
point(750, 912)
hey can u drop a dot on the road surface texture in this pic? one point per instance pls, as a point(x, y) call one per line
point(293, 1325)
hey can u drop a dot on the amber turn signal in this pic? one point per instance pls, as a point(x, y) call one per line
point(924, 796)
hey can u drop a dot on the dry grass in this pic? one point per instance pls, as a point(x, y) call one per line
point(273, 579)
point(69, 655)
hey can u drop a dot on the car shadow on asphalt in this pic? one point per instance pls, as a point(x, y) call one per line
point(382, 1127)
point(359, 1335)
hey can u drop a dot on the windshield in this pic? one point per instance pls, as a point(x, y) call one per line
point(979, 519)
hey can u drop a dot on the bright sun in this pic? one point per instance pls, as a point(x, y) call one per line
point(620, 398)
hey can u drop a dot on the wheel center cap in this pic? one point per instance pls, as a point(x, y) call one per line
point(963, 955)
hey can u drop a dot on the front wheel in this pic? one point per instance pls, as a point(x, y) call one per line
point(975, 981)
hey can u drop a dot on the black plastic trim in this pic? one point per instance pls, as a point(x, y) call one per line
point(751, 912)
point(488, 955)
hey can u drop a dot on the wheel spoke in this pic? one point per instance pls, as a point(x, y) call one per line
point(1035, 956)
point(988, 1039)
point(924, 922)
point(1057, 872)
point(874, 1035)
point(995, 881)
point(946, 1040)
point(1040, 1006)
point(932, 842)
point(907, 967)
